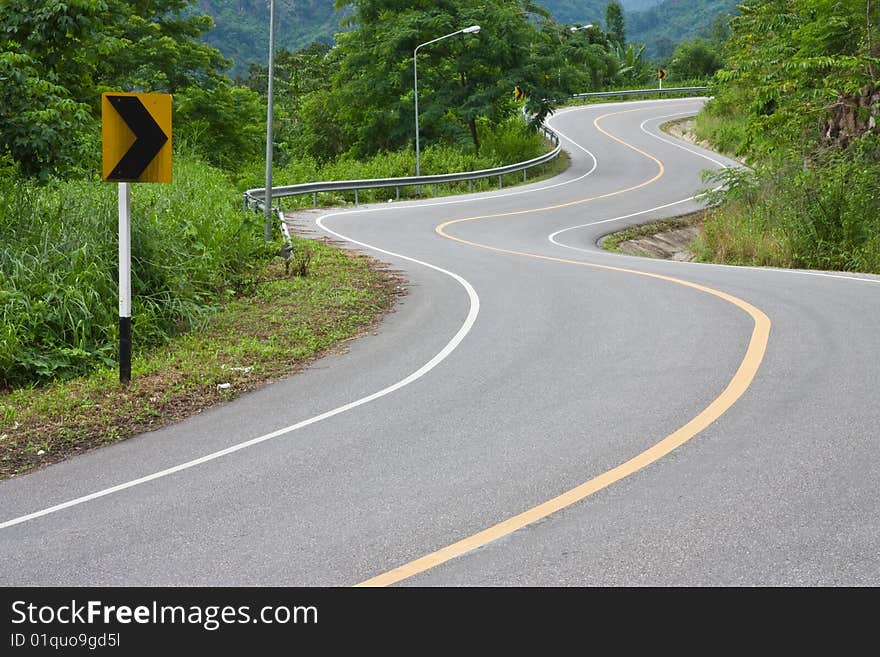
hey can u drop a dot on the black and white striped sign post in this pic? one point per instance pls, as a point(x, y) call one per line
point(124, 282)
point(136, 143)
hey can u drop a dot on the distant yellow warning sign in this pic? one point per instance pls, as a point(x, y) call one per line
point(136, 137)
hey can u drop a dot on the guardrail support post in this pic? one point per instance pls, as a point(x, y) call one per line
point(470, 186)
point(315, 198)
point(397, 189)
point(356, 197)
point(436, 191)
point(524, 174)
point(500, 185)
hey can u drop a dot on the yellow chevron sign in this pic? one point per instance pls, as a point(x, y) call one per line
point(518, 93)
point(136, 137)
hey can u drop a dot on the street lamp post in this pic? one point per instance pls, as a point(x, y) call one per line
point(267, 230)
point(473, 29)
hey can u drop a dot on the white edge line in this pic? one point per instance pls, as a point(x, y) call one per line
point(427, 367)
point(778, 270)
point(552, 236)
point(424, 369)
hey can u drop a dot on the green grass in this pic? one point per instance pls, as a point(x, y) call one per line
point(822, 213)
point(509, 143)
point(278, 327)
point(208, 310)
point(726, 130)
point(824, 218)
point(192, 245)
point(382, 195)
point(825, 215)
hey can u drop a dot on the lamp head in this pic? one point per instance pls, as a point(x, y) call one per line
point(473, 29)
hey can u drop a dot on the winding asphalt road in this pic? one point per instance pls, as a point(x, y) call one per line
point(535, 412)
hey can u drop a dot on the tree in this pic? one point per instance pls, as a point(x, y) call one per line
point(44, 110)
point(155, 45)
point(41, 126)
point(632, 67)
point(222, 123)
point(369, 106)
point(87, 44)
point(794, 65)
point(459, 79)
point(663, 48)
point(614, 23)
point(299, 76)
point(58, 57)
point(563, 62)
point(695, 59)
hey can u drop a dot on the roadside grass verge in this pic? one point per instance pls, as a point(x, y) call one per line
point(821, 213)
point(192, 244)
point(276, 328)
point(509, 143)
point(823, 216)
point(388, 194)
point(266, 321)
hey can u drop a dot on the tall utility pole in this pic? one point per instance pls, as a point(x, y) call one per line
point(267, 233)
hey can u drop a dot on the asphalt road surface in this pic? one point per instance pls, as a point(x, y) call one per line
point(535, 412)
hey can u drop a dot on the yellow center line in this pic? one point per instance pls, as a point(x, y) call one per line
point(735, 389)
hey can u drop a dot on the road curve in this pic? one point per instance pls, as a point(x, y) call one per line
point(535, 412)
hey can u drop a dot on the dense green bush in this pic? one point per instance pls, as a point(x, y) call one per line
point(191, 244)
point(823, 216)
point(797, 97)
point(696, 59)
point(509, 142)
point(720, 124)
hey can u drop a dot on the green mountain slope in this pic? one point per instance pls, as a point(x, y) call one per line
point(241, 29)
point(659, 24)
point(591, 11)
point(242, 26)
point(673, 21)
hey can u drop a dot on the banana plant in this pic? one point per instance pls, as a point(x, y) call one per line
point(632, 65)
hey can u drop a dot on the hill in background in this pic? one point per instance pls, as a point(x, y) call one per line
point(241, 29)
point(673, 21)
point(242, 26)
point(659, 24)
point(592, 11)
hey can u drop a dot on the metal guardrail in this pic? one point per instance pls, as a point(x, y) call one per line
point(640, 92)
point(260, 205)
point(255, 198)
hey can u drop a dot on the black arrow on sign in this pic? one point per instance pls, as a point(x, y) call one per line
point(149, 138)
